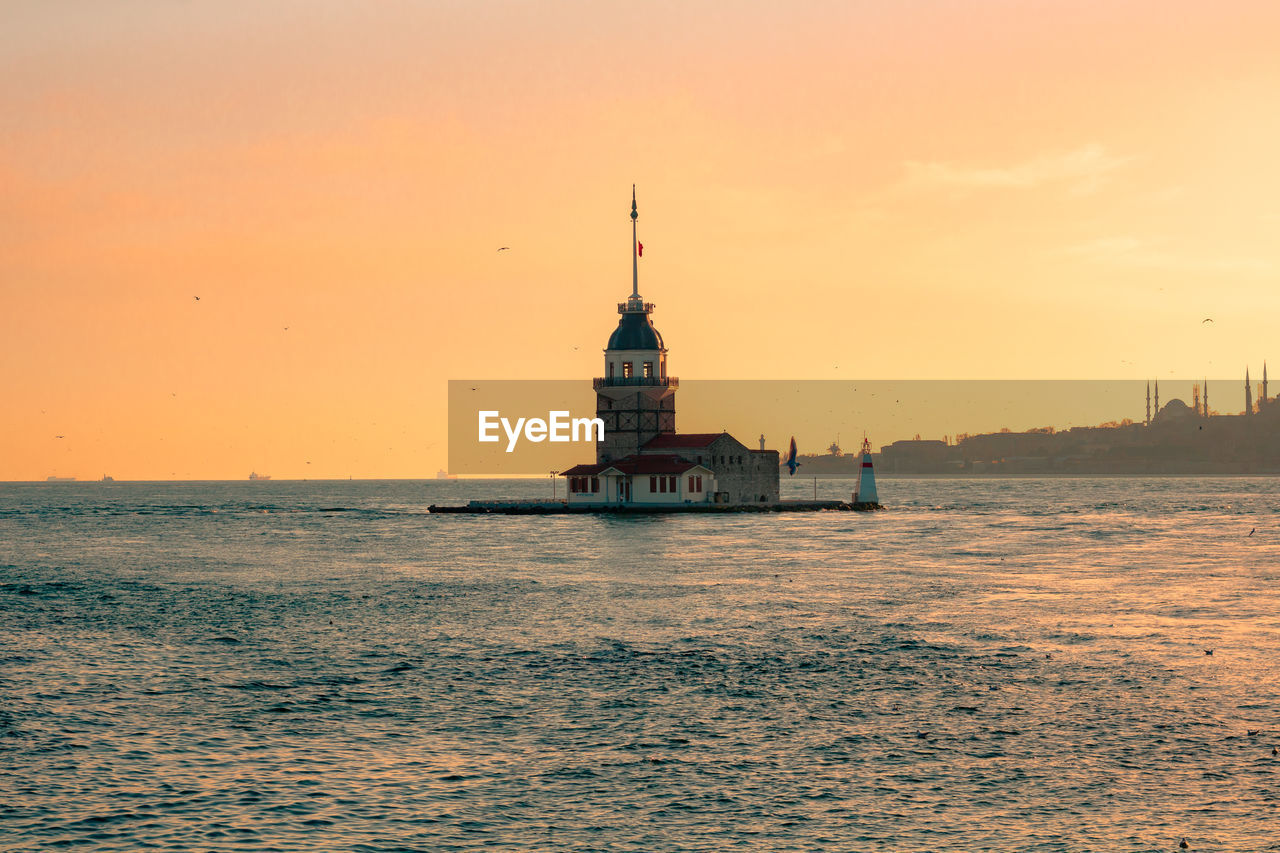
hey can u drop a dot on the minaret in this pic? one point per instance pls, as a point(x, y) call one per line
point(1157, 398)
point(1264, 399)
point(635, 398)
point(1195, 398)
point(761, 442)
point(1206, 396)
point(1148, 420)
point(1248, 394)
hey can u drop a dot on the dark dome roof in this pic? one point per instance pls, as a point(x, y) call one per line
point(1173, 410)
point(635, 332)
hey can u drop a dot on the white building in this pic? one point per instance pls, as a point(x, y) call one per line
point(656, 479)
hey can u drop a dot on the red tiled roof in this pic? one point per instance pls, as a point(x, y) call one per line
point(583, 471)
point(688, 439)
point(656, 464)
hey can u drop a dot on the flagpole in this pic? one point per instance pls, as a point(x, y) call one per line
point(635, 263)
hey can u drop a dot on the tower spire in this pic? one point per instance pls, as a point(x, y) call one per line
point(635, 251)
point(1148, 420)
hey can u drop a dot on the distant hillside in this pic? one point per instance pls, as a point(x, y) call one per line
point(1178, 441)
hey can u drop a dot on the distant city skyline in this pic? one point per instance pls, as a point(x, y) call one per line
point(246, 237)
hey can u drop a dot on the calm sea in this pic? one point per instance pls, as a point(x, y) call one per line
point(1012, 665)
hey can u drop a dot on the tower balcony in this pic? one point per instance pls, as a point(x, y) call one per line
point(635, 306)
point(635, 382)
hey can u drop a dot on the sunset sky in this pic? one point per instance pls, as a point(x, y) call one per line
point(827, 190)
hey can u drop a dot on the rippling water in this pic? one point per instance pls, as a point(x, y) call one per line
point(989, 665)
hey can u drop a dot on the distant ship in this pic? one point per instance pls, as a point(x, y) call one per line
point(256, 476)
point(59, 479)
point(445, 475)
point(106, 478)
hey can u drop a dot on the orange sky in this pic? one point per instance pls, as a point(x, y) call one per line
point(978, 189)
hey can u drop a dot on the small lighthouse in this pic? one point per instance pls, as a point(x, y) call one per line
point(866, 491)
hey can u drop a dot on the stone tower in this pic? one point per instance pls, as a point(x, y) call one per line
point(635, 398)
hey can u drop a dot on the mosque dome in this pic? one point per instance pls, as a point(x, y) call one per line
point(635, 332)
point(1174, 409)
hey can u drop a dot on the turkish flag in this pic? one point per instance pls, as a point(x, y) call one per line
point(641, 245)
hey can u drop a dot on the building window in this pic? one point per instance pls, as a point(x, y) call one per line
point(648, 370)
point(653, 485)
point(662, 484)
point(611, 370)
point(672, 485)
point(595, 485)
point(626, 370)
point(695, 483)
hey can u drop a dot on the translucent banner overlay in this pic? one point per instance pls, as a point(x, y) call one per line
point(914, 426)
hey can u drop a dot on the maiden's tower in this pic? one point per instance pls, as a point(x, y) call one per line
point(642, 458)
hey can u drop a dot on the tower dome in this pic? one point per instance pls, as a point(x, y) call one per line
point(635, 330)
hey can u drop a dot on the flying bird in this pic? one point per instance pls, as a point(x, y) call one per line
point(504, 248)
point(59, 436)
point(1251, 530)
point(197, 299)
point(1208, 651)
point(791, 462)
point(1206, 320)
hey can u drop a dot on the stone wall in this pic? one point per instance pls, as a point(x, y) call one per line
point(748, 476)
